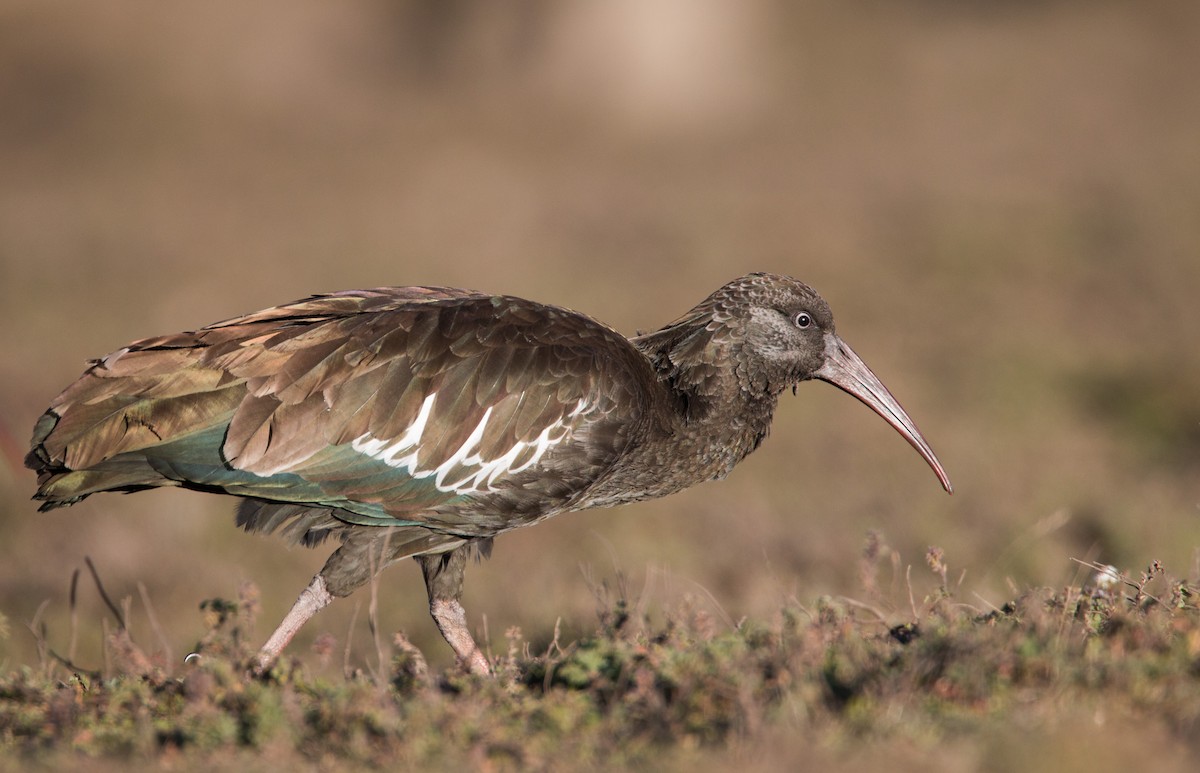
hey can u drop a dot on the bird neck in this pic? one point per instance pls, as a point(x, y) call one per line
point(706, 373)
point(712, 411)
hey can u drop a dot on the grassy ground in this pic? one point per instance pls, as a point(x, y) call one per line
point(1076, 678)
point(997, 198)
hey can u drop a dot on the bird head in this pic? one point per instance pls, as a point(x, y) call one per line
point(780, 332)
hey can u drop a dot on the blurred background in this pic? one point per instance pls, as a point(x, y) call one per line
point(1000, 200)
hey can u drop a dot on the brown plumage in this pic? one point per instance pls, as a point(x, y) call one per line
point(425, 421)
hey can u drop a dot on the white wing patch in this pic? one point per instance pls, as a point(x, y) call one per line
point(470, 471)
point(381, 450)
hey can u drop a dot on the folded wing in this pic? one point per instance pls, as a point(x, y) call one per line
point(385, 405)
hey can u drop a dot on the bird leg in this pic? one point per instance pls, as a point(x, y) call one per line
point(444, 582)
point(348, 568)
point(364, 553)
point(312, 599)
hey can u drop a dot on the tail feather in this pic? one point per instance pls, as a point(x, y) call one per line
point(65, 488)
point(94, 437)
point(60, 486)
point(84, 434)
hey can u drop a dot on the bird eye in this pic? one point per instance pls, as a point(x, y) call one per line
point(803, 320)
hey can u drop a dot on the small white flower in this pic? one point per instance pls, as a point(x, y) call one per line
point(1107, 576)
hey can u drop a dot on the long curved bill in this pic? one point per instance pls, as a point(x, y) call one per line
point(846, 370)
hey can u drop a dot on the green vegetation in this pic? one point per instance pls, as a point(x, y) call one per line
point(844, 675)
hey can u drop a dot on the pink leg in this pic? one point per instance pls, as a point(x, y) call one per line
point(313, 599)
point(451, 620)
point(444, 581)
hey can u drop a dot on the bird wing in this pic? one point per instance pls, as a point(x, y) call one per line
point(393, 404)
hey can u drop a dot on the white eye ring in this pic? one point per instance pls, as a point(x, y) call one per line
point(803, 320)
